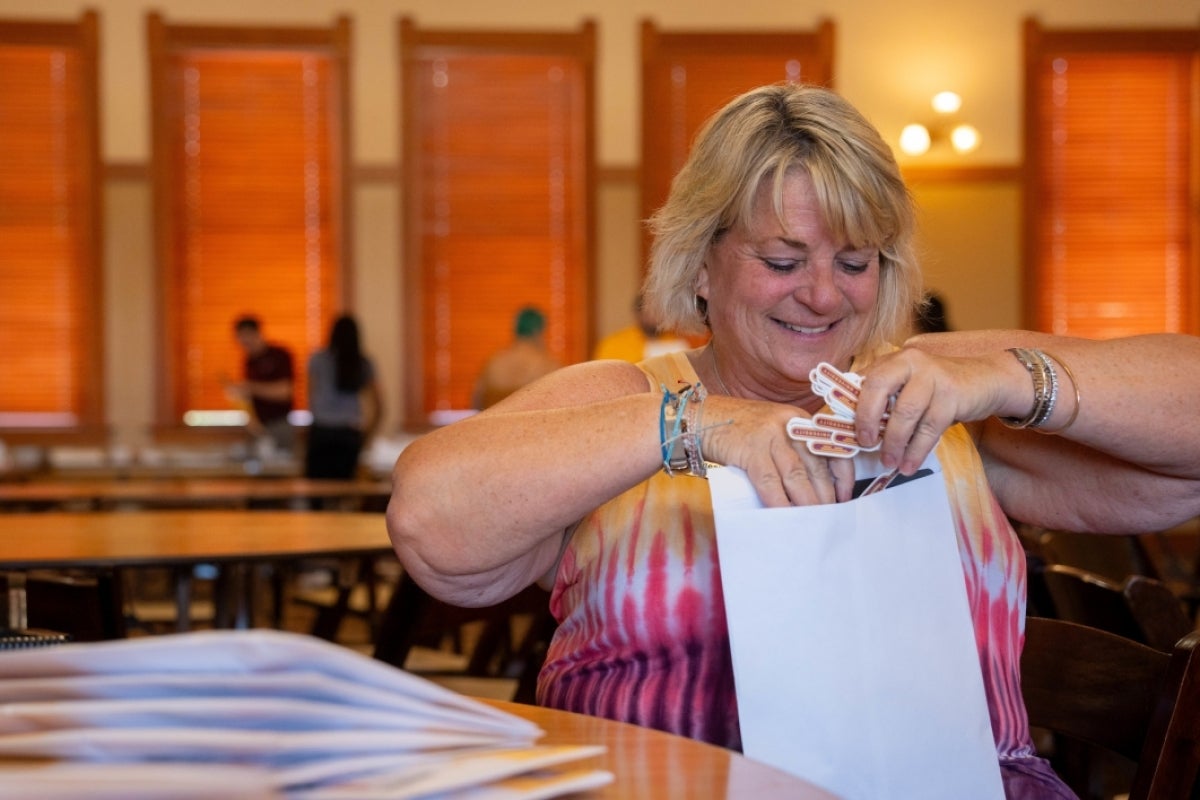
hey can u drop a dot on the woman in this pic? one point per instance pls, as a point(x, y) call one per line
point(787, 234)
point(344, 400)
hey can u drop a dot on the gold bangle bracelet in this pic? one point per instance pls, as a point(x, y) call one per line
point(1075, 384)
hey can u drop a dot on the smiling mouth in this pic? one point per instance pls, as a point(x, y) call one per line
point(803, 329)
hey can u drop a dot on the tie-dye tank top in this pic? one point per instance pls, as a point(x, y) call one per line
point(642, 635)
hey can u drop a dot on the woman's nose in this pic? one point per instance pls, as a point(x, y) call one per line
point(817, 288)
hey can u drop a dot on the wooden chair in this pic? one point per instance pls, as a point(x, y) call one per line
point(1083, 597)
point(1158, 610)
point(1116, 557)
point(88, 607)
point(414, 617)
point(1123, 697)
point(1110, 556)
point(356, 590)
point(1139, 608)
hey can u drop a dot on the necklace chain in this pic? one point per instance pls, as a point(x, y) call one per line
point(712, 351)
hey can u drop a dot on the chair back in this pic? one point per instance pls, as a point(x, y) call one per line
point(1095, 687)
point(1141, 608)
point(87, 608)
point(1117, 557)
point(413, 616)
point(1109, 555)
point(1090, 599)
point(1159, 612)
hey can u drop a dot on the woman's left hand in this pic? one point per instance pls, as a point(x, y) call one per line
point(921, 395)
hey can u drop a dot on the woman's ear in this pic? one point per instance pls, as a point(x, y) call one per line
point(700, 287)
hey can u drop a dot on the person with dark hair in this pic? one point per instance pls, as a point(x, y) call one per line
point(345, 402)
point(930, 316)
point(522, 362)
point(530, 322)
point(268, 386)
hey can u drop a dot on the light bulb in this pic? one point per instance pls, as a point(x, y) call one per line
point(914, 139)
point(946, 102)
point(964, 138)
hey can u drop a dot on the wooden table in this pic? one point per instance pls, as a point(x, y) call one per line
point(651, 764)
point(107, 493)
point(109, 540)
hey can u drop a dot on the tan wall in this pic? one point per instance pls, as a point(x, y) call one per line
point(969, 240)
point(891, 57)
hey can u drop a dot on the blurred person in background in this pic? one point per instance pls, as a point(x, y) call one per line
point(345, 402)
point(268, 385)
point(930, 316)
point(522, 362)
point(639, 340)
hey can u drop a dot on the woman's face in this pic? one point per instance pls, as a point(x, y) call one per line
point(783, 297)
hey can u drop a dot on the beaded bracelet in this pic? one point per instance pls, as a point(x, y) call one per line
point(1045, 388)
point(681, 445)
point(669, 415)
point(693, 426)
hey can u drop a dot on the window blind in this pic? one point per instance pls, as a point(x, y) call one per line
point(498, 161)
point(250, 170)
point(50, 332)
point(687, 76)
point(1111, 184)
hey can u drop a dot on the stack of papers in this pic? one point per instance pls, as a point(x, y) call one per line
point(259, 713)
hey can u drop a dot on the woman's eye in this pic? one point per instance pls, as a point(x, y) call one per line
point(781, 265)
point(855, 267)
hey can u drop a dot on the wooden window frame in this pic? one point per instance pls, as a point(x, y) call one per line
point(662, 49)
point(1038, 39)
point(89, 406)
point(163, 38)
point(417, 43)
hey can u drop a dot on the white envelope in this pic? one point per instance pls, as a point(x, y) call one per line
point(853, 649)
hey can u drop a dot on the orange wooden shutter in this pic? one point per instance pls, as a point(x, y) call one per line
point(498, 160)
point(1111, 181)
point(250, 166)
point(687, 76)
point(50, 331)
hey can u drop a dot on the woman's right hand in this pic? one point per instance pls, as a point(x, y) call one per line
point(752, 435)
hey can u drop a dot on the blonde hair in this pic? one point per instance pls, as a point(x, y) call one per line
point(763, 135)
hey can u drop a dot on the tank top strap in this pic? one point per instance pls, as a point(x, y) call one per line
point(668, 369)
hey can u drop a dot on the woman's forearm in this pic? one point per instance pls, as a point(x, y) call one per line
point(1138, 397)
point(484, 496)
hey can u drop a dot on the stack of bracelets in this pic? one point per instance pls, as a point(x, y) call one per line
point(1045, 389)
point(679, 429)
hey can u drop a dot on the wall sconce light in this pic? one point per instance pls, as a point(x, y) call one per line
point(917, 138)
